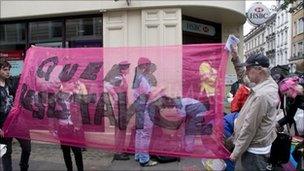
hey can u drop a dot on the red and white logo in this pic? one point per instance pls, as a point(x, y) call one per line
point(257, 14)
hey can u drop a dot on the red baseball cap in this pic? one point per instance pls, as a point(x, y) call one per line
point(143, 60)
point(125, 62)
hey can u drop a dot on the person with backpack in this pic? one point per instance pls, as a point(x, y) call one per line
point(293, 88)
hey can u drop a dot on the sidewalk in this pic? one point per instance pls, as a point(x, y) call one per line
point(49, 157)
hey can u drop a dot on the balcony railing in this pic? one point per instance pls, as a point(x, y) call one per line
point(300, 55)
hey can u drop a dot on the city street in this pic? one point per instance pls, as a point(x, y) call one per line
point(49, 157)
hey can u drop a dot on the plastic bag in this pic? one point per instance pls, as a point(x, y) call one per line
point(299, 119)
point(2, 149)
point(214, 164)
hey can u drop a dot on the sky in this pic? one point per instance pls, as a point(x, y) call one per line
point(267, 3)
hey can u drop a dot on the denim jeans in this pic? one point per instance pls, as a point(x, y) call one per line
point(142, 140)
point(25, 154)
point(250, 161)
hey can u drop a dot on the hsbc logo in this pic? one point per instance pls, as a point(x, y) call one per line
point(257, 14)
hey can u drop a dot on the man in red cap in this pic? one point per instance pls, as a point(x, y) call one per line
point(143, 60)
point(142, 86)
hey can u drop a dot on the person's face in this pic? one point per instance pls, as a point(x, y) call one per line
point(145, 67)
point(5, 72)
point(253, 73)
point(125, 71)
point(168, 102)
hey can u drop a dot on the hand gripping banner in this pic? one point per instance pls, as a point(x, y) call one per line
point(163, 100)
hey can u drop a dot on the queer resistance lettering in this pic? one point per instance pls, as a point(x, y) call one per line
point(108, 97)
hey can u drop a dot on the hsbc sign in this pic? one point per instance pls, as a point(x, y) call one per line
point(257, 14)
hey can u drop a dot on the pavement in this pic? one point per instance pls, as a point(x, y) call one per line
point(46, 156)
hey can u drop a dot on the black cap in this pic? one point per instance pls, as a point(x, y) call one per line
point(257, 60)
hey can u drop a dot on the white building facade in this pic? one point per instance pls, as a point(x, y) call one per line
point(270, 37)
point(255, 41)
point(297, 37)
point(283, 36)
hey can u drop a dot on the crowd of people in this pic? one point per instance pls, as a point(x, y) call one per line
point(252, 128)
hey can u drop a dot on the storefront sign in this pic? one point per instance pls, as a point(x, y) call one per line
point(198, 28)
point(14, 54)
point(258, 14)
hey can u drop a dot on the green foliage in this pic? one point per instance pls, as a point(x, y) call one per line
point(286, 3)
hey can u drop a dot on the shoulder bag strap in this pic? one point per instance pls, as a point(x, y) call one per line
point(284, 111)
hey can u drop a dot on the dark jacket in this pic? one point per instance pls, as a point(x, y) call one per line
point(292, 105)
point(7, 94)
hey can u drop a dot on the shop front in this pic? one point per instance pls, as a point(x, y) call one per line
point(69, 24)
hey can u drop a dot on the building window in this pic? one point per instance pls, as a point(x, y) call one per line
point(286, 35)
point(286, 17)
point(12, 39)
point(294, 30)
point(84, 32)
point(46, 33)
point(282, 38)
point(300, 25)
point(294, 50)
point(300, 49)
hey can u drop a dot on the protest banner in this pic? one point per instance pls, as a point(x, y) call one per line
point(99, 97)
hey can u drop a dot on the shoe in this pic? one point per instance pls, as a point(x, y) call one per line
point(121, 156)
point(148, 164)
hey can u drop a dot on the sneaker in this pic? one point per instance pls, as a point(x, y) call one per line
point(148, 164)
point(122, 156)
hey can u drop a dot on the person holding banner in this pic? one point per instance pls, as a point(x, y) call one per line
point(142, 85)
point(70, 131)
point(193, 112)
point(208, 77)
point(254, 129)
point(8, 87)
point(116, 85)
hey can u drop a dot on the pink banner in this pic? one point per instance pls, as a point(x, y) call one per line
point(161, 100)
